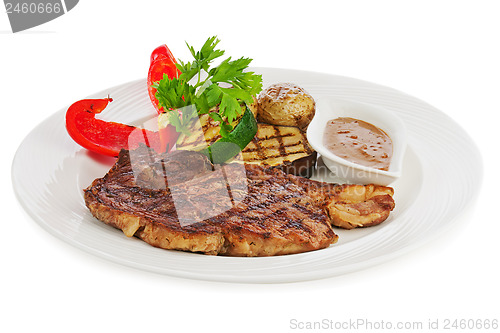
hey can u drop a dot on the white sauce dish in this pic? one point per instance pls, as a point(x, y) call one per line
point(329, 108)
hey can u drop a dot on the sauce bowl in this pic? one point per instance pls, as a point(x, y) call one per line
point(328, 108)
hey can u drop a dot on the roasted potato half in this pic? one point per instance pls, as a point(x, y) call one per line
point(286, 104)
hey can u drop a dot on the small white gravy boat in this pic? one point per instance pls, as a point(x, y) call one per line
point(328, 108)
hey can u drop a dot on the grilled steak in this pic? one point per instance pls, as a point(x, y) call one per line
point(180, 201)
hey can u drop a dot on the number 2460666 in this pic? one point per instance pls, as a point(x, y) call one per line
point(470, 324)
point(32, 8)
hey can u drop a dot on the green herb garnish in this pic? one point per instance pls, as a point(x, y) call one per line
point(204, 87)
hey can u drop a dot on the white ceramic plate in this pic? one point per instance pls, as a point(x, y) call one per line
point(442, 173)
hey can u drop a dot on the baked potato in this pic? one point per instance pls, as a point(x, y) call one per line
point(286, 104)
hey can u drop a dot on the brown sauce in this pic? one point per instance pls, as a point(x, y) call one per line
point(359, 142)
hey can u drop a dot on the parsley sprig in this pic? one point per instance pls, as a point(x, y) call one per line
point(201, 87)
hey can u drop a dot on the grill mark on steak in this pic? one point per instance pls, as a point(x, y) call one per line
point(266, 214)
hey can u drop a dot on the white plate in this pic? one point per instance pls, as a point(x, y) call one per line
point(442, 173)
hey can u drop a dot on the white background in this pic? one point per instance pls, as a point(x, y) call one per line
point(444, 52)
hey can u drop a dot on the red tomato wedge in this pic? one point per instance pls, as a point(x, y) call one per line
point(162, 51)
point(106, 137)
point(162, 62)
point(157, 69)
